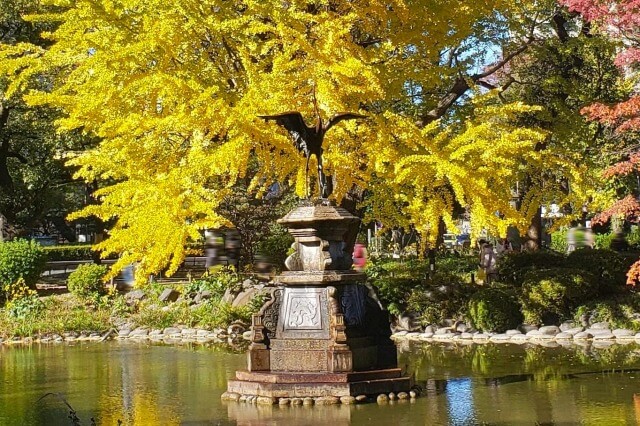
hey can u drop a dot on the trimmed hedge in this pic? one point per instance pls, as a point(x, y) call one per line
point(68, 252)
point(439, 297)
point(21, 259)
point(512, 267)
point(619, 311)
point(609, 268)
point(86, 280)
point(409, 287)
point(494, 309)
point(551, 295)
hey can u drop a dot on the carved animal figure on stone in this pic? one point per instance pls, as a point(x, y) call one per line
point(304, 313)
point(308, 139)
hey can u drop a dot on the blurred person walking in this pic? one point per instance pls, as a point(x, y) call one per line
point(359, 257)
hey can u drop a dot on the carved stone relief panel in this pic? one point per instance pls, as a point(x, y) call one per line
point(271, 311)
point(353, 301)
point(304, 313)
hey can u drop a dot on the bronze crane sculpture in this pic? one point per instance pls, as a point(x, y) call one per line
point(308, 140)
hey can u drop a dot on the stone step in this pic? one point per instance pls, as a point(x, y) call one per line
point(315, 389)
point(302, 377)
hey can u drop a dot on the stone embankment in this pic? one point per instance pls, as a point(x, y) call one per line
point(169, 336)
point(568, 333)
point(597, 334)
point(321, 400)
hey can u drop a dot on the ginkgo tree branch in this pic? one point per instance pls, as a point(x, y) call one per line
point(463, 82)
point(460, 86)
point(4, 115)
point(18, 156)
point(6, 181)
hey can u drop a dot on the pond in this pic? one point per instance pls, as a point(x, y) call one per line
point(462, 385)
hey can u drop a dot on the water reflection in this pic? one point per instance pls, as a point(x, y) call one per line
point(460, 400)
point(260, 415)
point(512, 384)
point(141, 385)
point(462, 385)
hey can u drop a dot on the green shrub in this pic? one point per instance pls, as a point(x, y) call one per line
point(439, 297)
point(609, 268)
point(559, 241)
point(217, 281)
point(512, 267)
point(406, 285)
point(68, 252)
point(551, 295)
point(633, 237)
point(256, 303)
point(395, 292)
point(55, 314)
point(23, 302)
point(21, 259)
point(394, 282)
point(459, 265)
point(86, 280)
point(275, 246)
point(152, 290)
point(153, 317)
point(494, 309)
point(214, 314)
point(407, 269)
point(603, 241)
point(210, 314)
point(630, 257)
point(619, 312)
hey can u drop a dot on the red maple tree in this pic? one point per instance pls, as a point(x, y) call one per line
point(620, 19)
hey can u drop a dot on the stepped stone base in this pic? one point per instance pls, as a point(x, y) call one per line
point(300, 385)
point(323, 332)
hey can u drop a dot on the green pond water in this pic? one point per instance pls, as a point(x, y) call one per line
point(462, 385)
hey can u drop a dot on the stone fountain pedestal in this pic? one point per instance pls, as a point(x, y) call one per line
point(322, 333)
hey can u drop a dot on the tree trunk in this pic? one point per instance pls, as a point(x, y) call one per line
point(533, 239)
point(64, 229)
point(98, 223)
point(6, 182)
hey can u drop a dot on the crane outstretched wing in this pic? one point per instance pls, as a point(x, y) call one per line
point(341, 116)
point(292, 121)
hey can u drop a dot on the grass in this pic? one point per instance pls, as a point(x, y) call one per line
point(209, 315)
point(61, 313)
point(67, 312)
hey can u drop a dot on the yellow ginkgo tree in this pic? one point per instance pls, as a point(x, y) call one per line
point(173, 89)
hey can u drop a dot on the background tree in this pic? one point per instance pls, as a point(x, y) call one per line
point(255, 220)
point(566, 71)
point(620, 20)
point(515, 37)
point(173, 90)
point(36, 189)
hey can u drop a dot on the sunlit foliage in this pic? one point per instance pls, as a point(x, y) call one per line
point(620, 20)
point(173, 90)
